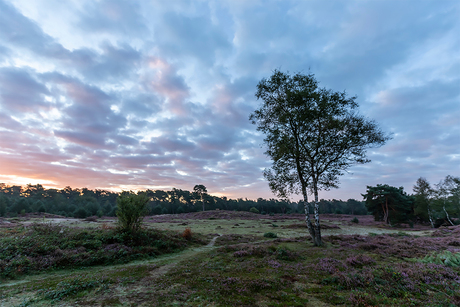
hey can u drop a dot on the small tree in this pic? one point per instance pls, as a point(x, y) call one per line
point(200, 191)
point(312, 134)
point(131, 209)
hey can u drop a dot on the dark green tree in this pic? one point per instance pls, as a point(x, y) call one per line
point(81, 213)
point(200, 191)
point(423, 200)
point(313, 135)
point(131, 210)
point(3, 205)
point(389, 204)
point(20, 204)
point(355, 207)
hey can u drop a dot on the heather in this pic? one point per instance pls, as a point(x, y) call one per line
point(361, 264)
point(43, 247)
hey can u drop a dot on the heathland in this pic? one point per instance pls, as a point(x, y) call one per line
point(226, 258)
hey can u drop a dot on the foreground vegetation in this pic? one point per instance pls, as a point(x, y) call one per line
point(45, 247)
point(99, 267)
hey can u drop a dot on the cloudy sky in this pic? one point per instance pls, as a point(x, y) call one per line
point(156, 94)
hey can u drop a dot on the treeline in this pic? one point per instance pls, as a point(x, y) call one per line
point(16, 200)
point(435, 205)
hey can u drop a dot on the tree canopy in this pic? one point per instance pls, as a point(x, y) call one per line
point(389, 204)
point(200, 191)
point(312, 135)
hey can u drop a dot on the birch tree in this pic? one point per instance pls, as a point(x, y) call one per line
point(448, 193)
point(313, 135)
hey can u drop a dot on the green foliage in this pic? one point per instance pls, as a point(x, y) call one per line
point(270, 235)
point(355, 220)
point(254, 210)
point(389, 204)
point(423, 198)
point(3, 205)
point(131, 209)
point(81, 213)
point(446, 258)
point(312, 135)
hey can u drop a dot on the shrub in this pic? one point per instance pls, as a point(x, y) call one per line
point(254, 210)
point(81, 213)
point(131, 209)
point(187, 234)
point(355, 220)
point(270, 235)
point(447, 258)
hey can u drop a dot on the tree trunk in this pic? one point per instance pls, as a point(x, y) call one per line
point(311, 230)
point(387, 212)
point(318, 241)
point(430, 217)
point(447, 214)
point(202, 202)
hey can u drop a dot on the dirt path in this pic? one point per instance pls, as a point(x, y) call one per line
point(162, 270)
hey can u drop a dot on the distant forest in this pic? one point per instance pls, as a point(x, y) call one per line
point(81, 203)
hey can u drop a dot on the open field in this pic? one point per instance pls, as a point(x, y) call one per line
point(230, 262)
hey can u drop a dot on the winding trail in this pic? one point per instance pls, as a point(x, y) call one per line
point(162, 270)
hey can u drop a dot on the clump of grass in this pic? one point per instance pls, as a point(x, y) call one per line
point(65, 289)
point(270, 235)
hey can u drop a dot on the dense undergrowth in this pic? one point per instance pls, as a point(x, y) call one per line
point(43, 247)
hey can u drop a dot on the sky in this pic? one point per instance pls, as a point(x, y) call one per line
point(129, 95)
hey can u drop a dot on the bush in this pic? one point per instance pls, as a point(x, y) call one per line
point(254, 210)
point(131, 209)
point(187, 235)
point(270, 235)
point(81, 213)
point(355, 220)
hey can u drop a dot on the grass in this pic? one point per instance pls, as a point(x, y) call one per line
point(43, 247)
point(248, 269)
